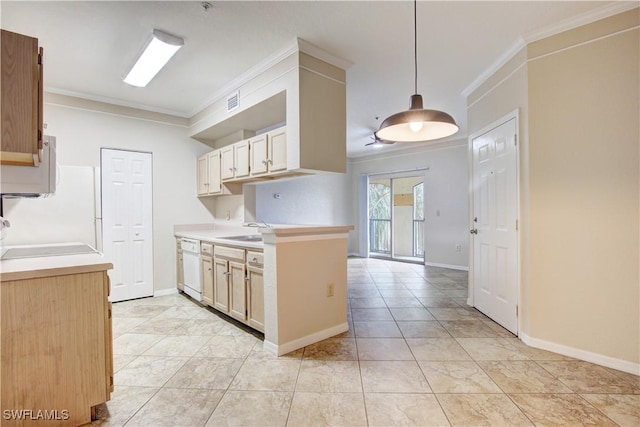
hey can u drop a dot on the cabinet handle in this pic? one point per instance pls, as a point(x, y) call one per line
point(270, 161)
point(226, 273)
point(254, 259)
point(264, 162)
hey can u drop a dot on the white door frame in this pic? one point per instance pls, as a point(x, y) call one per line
point(471, 287)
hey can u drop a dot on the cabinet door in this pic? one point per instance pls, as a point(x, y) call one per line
point(20, 100)
point(214, 177)
point(227, 164)
point(259, 147)
point(255, 298)
point(238, 303)
point(241, 151)
point(203, 176)
point(278, 150)
point(179, 267)
point(221, 285)
point(207, 280)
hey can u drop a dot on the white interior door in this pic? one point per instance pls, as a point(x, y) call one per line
point(127, 222)
point(495, 214)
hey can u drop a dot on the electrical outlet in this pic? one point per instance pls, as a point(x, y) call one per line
point(458, 248)
point(330, 290)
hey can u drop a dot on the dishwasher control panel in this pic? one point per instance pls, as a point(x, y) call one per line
point(190, 245)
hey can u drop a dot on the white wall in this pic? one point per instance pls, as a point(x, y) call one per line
point(316, 199)
point(80, 135)
point(445, 194)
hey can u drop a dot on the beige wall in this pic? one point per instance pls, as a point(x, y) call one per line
point(584, 161)
point(577, 94)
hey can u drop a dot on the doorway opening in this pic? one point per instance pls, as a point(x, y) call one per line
point(396, 218)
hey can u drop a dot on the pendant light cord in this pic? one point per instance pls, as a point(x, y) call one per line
point(415, 46)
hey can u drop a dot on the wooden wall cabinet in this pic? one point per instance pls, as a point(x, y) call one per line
point(207, 273)
point(255, 290)
point(209, 175)
point(21, 85)
point(235, 161)
point(269, 152)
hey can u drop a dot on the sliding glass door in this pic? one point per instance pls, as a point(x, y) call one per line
point(396, 217)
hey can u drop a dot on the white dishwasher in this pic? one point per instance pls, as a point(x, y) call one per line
point(192, 268)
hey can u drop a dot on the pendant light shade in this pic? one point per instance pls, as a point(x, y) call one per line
point(416, 124)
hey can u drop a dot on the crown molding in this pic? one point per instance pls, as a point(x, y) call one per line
point(594, 15)
point(117, 102)
point(296, 45)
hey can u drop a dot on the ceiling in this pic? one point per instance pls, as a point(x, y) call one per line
point(90, 46)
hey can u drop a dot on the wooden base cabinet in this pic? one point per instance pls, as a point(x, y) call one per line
point(57, 361)
point(207, 273)
point(255, 290)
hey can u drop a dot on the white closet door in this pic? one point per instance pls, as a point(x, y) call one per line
point(127, 222)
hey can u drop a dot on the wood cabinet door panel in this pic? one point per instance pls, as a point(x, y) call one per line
point(241, 152)
point(255, 298)
point(227, 164)
point(238, 303)
point(214, 177)
point(20, 98)
point(203, 182)
point(221, 285)
point(207, 280)
point(278, 150)
point(259, 158)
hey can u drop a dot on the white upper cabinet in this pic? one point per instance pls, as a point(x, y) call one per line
point(241, 159)
point(203, 175)
point(269, 152)
point(277, 150)
point(235, 161)
point(228, 163)
point(259, 155)
point(305, 92)
point(214, 177)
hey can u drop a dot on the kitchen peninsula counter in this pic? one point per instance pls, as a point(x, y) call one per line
point(305, 279)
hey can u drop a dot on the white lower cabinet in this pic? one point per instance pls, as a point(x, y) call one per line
point(207, 273)
point(255, 290)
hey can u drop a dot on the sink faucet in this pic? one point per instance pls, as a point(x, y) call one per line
point(258, 224)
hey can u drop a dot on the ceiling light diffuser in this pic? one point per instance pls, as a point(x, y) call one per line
point(416, 124)
point(156, 54)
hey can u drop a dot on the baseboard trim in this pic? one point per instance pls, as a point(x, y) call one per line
point(587, 356)
point(164, 292)
point(304, 341)
point(451, 266)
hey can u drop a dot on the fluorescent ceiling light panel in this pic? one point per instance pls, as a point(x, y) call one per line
point(156, 54)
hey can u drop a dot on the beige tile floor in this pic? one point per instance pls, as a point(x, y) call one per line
point(415, 355)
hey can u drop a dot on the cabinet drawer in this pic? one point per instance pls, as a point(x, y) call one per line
point(255, 259)
point(233, 254)
point(206, 248)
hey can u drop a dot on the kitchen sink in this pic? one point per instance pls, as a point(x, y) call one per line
point(249, 238)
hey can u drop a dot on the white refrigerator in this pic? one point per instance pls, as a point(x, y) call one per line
point(72, 214)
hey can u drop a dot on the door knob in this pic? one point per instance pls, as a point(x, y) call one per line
point(474, 231)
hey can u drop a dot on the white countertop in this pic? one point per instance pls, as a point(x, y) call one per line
point(217, 234)
point(48, 266)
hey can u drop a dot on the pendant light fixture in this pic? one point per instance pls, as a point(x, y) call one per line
point(416, 124)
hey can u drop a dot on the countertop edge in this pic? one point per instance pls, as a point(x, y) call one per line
point(63, 270)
